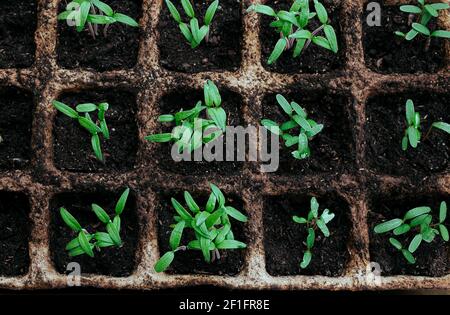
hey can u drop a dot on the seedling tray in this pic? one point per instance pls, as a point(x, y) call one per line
point(354, 179)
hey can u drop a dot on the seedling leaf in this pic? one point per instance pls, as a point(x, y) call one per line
point(120, 206)
point(100, 213)
point(388, 226)
point(70, 220)
point(175, 236)
point(164, 262)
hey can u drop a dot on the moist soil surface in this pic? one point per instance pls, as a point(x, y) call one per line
point(284, 240)
point(72, 143)
point(111, 261)
point(333, 149)
point(191, 262)
point(14, 234)
point(186, 99)
point(431, 259)
point(18, 21)
point(16, 106)
point(386, 52)
point(222, 52)
point(118, 50)
point(314, 59)
point(386, 124)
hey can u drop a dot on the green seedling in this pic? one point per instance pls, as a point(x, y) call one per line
point(298, 121)
point(191, 130)
point(94, 128)
point(413, 134)
point(86, 242)
point(211, 226)
point(313, 222)
point(420, 16)
point(417, 221)
point(93, 13)
point(193, 33)
point(293, 27)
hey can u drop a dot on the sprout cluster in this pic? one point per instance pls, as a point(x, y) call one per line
point(93, 13)
point(193, 33)
point(298, 120)
point(94, 128)
point(191, 130)
point(313, 221)
point(425, 12)
point(293, 25)
point(412, 132)
point(86, 242)
point(417, 221)
point(211, 226)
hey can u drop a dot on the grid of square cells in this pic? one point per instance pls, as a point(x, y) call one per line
point(41, 181)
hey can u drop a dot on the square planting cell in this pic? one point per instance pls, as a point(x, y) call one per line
point(111, 261)
point(14, 234)
point(333, 149)
point(18, 20)
point(314, 59)
point(117, 50)
point(386, 52)
point(16, 106)
point(185, 99)
point(385, 127)
point(284, 240)
point(72, 143)
point(221, 52)
point(432, 259)
point(230, 263)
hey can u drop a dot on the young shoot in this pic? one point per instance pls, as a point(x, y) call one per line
point(193, 33)
point(419, 17)
point(313, 222)
point(412, 133)
point(85, 242)
point(93, 13)
point(298, 130)
point(416, 221)
point(211, 226)
point(192, 129)
point(97, 128)
point(293, 27)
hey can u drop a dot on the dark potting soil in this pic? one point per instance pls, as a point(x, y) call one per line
point(222, 52)
point(314, 59)
point(18, 20)
point(386, 52)
point(431, 259)
point(72, 143)
point(111, 261)
point(284, 240)
point(385, 127)
point(118, 50)
point(186, 99)
point(16, 106)
point(14, 234)
point(191, 261)
point(333, 149)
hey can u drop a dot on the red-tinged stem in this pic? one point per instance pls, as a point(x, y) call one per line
point(411, 19)
point(207, 36)
point(289, 41)
point(93, 11)
point(427, 44)
point(91, 30)
point(105, 30)
point(427, 134)
point(315, 32)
